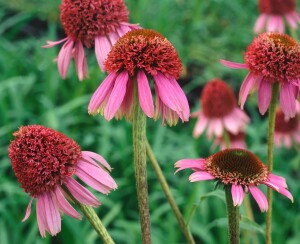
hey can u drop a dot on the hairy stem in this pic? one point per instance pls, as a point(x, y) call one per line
point(272, 113)
point(139, 150)
point(233, 214)
point(164, 185)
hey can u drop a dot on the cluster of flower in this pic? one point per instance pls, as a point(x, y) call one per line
point(45, 160)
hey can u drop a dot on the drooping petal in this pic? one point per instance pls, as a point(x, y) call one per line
point(28, 211)
point(233, 65)
point(80, 193)
point(245, 88)
point(41, 215)
point(264, 96)
point(117, 95)
point(102, 48)
point(52, 44)
point(260, 23)
point(126, 108)
point(87, 155)
point(200, 175)
point(272, 24)
point(287, 140)
point(64, 58)
point(80, 61)
point(145, 96)
point(259, 197)
point(123, 29)
point(200, 126)
point(288, 99)
point(169, 94)
point(95, 177)
point(232, 124)
point(291, 20)
point(237, 193)
point(113, 37)
point(64, 205)
point(195, 164)
point(52, 214)
point(286, 193)
point(102, 92)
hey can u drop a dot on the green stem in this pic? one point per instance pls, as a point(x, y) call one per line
point(226, 139)
point(233, 217)
point(159, 174)
point(272, 113)
point(249, 214)
point(139, 150)
point(93, 218)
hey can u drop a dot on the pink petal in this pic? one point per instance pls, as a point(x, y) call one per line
point(260, 22)
point(81, 194)
point(102, 48)
point(80, 61)
point(52, 44)
point(64, 205)
point(232, 124)
point(245, 88)
point(237, 193)
point(102, 92)
point(28, 211)
point(233, 65)
point(41, 215)
point(48, 214)
point(273, 23)
point(195, 164)
point(287, 140)
point(280, 25)
point(167, 93)
point(291, 20)
point(145, 96)
point(259, 198)
point(286, 193)
point(200, 126)
point(117, 95)
point(288, 100)
point(264, 96)
point(200, 175)
point(95, 177)
point(64, 58)
point(87, 155)
point(113, 37)
point(123, 29)
point(128, 102)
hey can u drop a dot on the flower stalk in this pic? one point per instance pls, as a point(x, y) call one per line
point(164, 185)
point(139, 149)
point(233, 214)
point(271, 128)
point(93, 218)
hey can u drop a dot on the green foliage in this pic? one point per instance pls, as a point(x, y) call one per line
point(31, 91)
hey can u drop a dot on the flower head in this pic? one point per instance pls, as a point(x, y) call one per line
point(89, 23)
point(136, 57)
point(271, 58)
point(219, 111)
point(273, 13)
point(44, 162)
point(240, 169)
point(286, 130)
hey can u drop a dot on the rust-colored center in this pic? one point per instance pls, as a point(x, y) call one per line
point(41, 158)
point(277, 7)
point(237, 166)
point(217, 99)
point(283, 125)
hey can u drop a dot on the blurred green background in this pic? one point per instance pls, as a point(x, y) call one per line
point(31, 92)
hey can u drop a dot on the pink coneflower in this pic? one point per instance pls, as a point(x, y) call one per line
point(286, 130)
point(89, 23)
point(219, 111)
point(138, 56)
point(235, 141)
point(240, 169)
point(271, 58)
point(44, 162)
point(273, 13)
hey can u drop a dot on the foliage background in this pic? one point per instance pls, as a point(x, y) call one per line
point(31, 92)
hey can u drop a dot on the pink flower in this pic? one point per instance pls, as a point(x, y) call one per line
point(89, 23)
point(235, 141)
point(273, 13)
point(44, 161)
point(219, 111)
point(240, 169)
point(286, 130)
point(271, 58)
point(137, 57)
